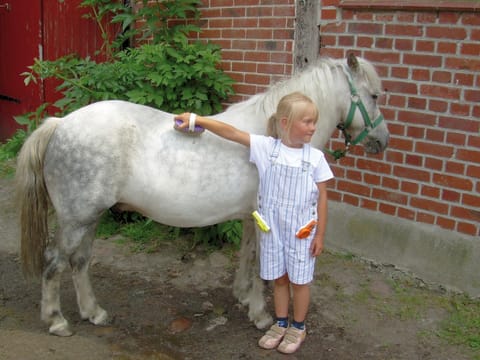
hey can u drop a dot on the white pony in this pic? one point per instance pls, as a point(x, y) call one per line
point(118, 153)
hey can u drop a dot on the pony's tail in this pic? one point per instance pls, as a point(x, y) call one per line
point(32, 198)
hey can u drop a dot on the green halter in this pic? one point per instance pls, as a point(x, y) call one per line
point(369, 125)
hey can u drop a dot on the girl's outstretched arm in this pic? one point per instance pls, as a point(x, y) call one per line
point(219, 128)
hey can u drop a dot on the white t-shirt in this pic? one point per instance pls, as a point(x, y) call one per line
point(261, 148)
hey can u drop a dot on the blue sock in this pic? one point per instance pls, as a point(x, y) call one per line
point(282, 322)
point(298, 324)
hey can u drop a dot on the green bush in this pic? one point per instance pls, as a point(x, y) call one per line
point(168, 72)
point(175, 78)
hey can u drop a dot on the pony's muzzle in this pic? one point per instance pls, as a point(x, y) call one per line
point(375, 145)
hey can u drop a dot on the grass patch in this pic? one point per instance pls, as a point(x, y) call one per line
point(364, 295)
point(458, 321)
point(143, 235)
point(146, 235)
point(463, 325)
point(412, 301)
point(107, 227)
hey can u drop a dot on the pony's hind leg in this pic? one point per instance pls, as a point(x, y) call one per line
point(51, 312)
point(86, 300)
point(243, 277)
point(71, 246)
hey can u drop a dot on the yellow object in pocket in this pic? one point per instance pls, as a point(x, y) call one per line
point(306, 229)
point(262, 224)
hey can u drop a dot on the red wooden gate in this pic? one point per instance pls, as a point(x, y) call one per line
point(20, 43)
point(44, 29)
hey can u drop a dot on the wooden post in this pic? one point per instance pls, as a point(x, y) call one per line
point(306, 33)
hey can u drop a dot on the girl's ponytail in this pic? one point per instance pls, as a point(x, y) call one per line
point(272, 127)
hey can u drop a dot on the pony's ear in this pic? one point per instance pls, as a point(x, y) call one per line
point(352, 62)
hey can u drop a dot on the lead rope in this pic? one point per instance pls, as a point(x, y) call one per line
point(340, 153)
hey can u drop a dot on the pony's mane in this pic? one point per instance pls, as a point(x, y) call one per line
point(318, 79)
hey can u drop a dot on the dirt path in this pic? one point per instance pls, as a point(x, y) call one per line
point(170, 306)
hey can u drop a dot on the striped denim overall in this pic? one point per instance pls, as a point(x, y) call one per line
point(287, 200)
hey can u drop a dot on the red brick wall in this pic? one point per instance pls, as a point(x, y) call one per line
point(256, 37)
point(429, 61)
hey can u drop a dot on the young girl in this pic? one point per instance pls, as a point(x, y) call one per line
point(292, 192)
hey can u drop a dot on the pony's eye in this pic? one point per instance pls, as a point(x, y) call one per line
point(374, 96)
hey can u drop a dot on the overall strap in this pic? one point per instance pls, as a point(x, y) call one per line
point(306, 157)
point(275, 151)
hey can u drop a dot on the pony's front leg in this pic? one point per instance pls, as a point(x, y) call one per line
point(50, 306)
point(247, 286)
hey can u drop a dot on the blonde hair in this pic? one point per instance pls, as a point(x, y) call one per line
point(291, 107)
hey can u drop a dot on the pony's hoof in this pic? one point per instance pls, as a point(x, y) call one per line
point(264, 322)
point(61, 329)
point(100, 318)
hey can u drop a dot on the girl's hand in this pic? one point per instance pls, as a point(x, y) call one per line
point(316, 247)
point(184, 118)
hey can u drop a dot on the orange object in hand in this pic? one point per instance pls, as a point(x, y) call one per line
point(306, 230)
